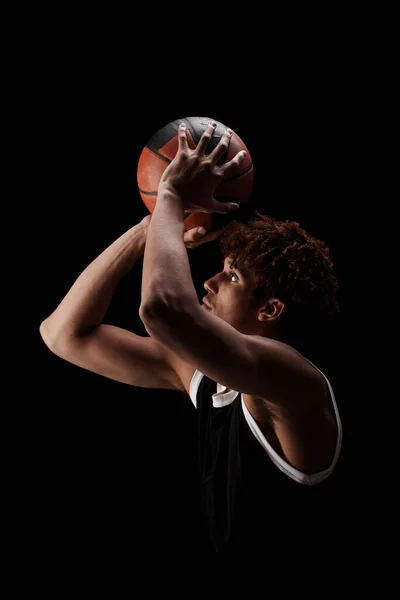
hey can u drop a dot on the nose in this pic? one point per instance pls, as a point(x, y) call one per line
point(210, 285)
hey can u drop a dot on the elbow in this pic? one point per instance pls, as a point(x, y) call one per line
point(147, 317)
point(157, 319)
point(165, 307)
point(45, 333)
point(54, 339)
point(149, 312)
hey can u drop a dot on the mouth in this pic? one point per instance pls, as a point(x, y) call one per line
point(206, 303)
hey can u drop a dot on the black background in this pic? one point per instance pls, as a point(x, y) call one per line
point(110, 466)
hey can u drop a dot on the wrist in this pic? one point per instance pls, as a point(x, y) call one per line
point(167, 195)
point(141, 230)
point(168, 191)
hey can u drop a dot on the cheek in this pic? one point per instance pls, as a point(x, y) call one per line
point(237, 304)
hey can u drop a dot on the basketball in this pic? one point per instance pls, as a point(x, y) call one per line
point(161, 149)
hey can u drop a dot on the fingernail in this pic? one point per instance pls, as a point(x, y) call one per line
point(201, 230)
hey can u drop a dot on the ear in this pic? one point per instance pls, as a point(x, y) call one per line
point(272, 310)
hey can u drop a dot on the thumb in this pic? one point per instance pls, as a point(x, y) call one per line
point(224, 207)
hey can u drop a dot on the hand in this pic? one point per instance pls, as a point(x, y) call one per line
point(191, 238)
point(194, 176)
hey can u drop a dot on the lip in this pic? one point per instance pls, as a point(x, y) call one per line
point(206, 302)
point(206, 307)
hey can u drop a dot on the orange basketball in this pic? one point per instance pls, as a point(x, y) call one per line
point(161, 149)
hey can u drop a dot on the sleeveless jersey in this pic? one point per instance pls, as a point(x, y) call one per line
point(251, 496)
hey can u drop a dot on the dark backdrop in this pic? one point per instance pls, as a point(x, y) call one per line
point(114, 466)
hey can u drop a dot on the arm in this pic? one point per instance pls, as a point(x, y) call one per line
point(83, 308)
point(273, 375)
point(166, 269)
point(86, 303)
point(171, 312)
point(75, 332)
point(166, 276)
point(270, 373)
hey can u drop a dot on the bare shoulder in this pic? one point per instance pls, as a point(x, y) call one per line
point(302, 426)
point(299, 386)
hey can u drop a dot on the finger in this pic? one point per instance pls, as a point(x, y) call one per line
point(213, 235)
point(224, 207)
point(222, 147)
point(206, 137)
point(193, 238)
point(182, 139)
point(231, 167)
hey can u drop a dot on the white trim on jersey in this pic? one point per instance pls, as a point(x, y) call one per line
point(222, 398)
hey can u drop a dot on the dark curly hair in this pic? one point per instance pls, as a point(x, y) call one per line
point(287, 263)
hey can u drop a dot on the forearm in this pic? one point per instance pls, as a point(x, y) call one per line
point(166, 277)
point(86, 303)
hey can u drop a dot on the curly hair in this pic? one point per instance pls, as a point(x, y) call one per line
point(287, 263)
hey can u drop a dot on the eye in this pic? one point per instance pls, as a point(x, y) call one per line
point(230, 274)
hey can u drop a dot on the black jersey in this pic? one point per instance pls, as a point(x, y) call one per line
point(250, 494)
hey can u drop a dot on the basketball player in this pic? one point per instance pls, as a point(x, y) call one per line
point(269, 431)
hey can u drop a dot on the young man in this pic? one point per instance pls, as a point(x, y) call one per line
point(269, 431)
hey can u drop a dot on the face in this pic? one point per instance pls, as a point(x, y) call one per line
point(230, 295)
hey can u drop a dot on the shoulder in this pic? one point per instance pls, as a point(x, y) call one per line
point(293, 382)
point(302, 415)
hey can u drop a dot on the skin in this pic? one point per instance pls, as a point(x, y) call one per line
point(290, 401)
point(230, 294)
